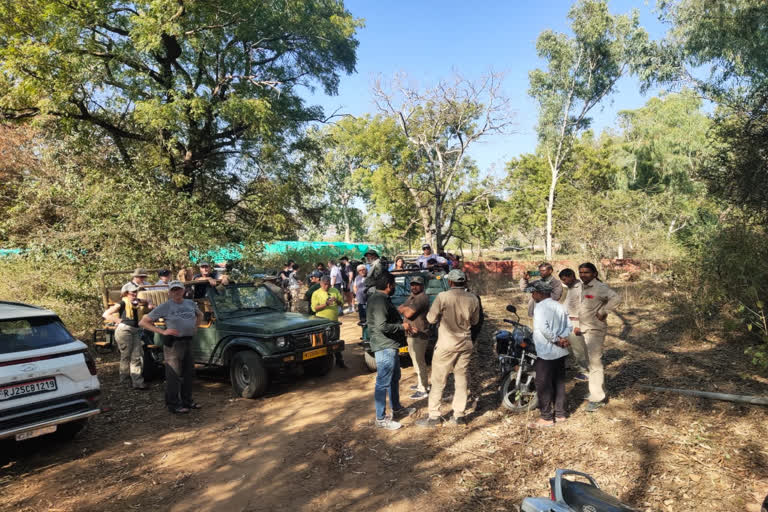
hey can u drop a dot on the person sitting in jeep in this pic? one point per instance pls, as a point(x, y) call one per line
point(205, 273)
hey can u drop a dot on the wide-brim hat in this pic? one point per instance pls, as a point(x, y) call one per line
point(129, 287)
point(139, 272)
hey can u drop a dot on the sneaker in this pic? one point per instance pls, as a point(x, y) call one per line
point(593, 406)
point(461, 420)
point(419, 395)
point(581, 377)
point(414, 387)
point(403, 412)
point(428, 422)
point(388, 424)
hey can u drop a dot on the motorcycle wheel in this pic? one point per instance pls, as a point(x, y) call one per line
point(520, 399)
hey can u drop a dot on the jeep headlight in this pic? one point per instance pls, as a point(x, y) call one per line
point(281, 342)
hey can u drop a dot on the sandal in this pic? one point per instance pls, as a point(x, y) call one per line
point(194, 405)
point(179, 410)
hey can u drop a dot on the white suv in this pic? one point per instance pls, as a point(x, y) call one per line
point(48, 379)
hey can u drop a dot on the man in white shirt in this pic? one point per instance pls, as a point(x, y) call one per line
point(428, 258)
point(551, 327)
point(336, 278)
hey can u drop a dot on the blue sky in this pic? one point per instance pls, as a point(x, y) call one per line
point(428, 40)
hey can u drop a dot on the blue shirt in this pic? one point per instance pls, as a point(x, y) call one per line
point(550, 321)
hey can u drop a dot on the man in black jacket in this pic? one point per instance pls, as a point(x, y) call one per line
point(387, 334)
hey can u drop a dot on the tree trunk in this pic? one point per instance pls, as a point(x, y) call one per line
point(347, 236)
point(548, 253)
point(621, 251)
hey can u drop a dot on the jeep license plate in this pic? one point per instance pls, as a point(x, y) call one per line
point(403, 350)
point(27, 388)
point(314, 353)
point(35, 433)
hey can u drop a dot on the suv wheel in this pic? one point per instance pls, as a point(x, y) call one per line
point(248, 376)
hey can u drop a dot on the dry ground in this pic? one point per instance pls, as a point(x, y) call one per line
point(310, 444)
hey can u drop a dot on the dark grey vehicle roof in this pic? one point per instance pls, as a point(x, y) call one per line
point(11, 310)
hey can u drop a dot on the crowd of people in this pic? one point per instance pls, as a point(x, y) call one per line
point(569, 322)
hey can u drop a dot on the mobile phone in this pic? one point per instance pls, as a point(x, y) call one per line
point(534, 273)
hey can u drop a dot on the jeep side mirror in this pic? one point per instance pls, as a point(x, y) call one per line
point(511, 308)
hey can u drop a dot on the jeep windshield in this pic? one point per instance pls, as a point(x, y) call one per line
point(239, 300)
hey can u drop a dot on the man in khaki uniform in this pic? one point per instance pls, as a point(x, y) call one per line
point(545, 271)
point(457, 310)
point(578, 348)
point(597, 300)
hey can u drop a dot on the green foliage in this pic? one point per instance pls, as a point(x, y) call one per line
point(582, 70)
point(178, 87)
point(434, 129)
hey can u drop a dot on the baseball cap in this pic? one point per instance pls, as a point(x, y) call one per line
point(139, 272)
point(426, 246)
point(456, 276)
point(175, 284)
point(371, 251)
point(203, 264)
point(417, 280)
point(129, 287)
point(315, 273)
point(163, 272)
point(538, 286)
point(360, 266)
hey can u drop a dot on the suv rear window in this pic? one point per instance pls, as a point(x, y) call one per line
point(20, 334)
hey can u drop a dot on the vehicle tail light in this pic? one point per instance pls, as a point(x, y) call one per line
point(551, 493)
point(90, 362)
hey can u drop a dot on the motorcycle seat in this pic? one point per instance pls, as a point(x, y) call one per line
point(584, 497)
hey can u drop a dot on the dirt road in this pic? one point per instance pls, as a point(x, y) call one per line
point(311, 445)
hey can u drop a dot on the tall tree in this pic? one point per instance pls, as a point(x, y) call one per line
point(180, 87)
point(721, 50)
point(582, 70)
point(439, 126)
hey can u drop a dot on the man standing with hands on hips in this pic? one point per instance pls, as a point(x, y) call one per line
point(182, 317)
point(597, 300)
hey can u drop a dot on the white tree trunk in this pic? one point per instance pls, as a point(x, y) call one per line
point(548, 252)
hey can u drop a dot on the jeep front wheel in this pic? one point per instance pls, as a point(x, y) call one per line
point(248, 375)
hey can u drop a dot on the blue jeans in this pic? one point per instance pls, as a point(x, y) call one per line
point(387, 381)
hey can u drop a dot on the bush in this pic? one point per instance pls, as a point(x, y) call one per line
point(726, 274)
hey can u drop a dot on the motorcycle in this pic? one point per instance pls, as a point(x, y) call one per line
point(574, 496)
point(516, 355)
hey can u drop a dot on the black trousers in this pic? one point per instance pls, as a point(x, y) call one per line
point(550, 386)
point(179, 369)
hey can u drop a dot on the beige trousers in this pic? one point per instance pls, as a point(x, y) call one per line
point(417, 348)
point(443, 363)
point(594, 340)
point(578, 353)
point(131, 351)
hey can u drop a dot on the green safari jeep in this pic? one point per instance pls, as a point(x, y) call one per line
point(247, 331)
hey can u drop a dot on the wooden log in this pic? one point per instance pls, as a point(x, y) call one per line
point(747, 399)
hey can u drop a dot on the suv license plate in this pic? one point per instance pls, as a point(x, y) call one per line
point(27, 388)
point(37, 432)
point(314, 353)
